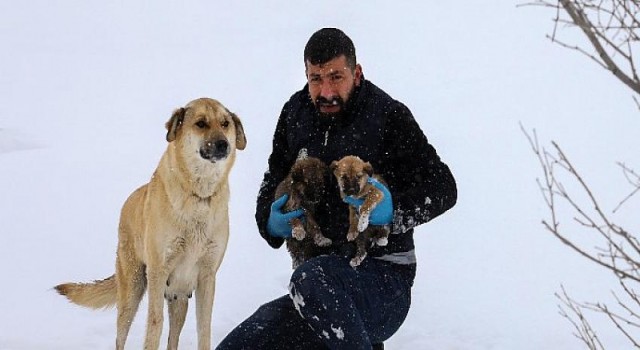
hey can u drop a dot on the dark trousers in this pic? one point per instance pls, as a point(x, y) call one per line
point(330, 306)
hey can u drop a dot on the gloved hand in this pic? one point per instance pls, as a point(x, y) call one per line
point(278, 222)
point(382, 214)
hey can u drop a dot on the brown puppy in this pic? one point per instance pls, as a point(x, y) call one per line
point(353, 176)
point(305, 186)
point(173, 230)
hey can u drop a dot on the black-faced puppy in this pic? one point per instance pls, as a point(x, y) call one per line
point(305, 185)
point(354, 179)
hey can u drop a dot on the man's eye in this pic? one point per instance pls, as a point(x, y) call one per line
point(201, 124)
point(336, 78)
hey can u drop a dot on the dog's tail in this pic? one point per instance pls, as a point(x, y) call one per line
point(100, 294)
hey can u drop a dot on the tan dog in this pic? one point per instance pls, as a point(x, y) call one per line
point(352, 174)
point(305, 186)
point(173, 231)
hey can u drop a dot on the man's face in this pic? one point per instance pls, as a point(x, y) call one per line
point(331, 84)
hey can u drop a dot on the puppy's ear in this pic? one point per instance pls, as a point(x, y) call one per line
point(368, 168)
point(333, 165)
point(174, 124)
point(241, 140)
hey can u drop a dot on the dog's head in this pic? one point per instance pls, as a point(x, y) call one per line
point(352, 174)
point(307, 179)
point(207, 129)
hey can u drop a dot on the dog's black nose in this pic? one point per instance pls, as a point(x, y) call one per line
point(221, 148)
point(214, 150)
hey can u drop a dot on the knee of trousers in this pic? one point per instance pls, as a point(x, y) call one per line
point(312, 278)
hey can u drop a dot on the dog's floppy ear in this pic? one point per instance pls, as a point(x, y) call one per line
point(333, 165)
point(241, 140)
point(175, 123)
point(368, 168)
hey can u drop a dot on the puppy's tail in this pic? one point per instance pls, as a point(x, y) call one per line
point(100, 294)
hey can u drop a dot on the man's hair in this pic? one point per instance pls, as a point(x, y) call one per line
point(327, 44)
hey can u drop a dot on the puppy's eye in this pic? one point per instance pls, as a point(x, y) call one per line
point(201, 124)
point(225, 124)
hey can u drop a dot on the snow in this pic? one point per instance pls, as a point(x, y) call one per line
point(86, 87)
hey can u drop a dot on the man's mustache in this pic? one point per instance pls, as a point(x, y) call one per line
point(334, 101)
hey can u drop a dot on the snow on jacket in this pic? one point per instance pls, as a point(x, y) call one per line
point(380, 130)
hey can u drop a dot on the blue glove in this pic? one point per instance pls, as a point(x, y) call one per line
point(278, 223)
point(382, 214)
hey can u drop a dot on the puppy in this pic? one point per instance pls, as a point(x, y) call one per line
point(305, 186)
point(354, 178)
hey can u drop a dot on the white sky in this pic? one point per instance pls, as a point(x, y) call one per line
point(86, 86)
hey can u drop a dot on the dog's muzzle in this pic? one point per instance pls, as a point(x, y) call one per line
point(215, 150)
point(351, 188)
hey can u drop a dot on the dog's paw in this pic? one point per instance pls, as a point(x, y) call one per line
point(352, 235)
point(357, 260)
point(363, 223)
point(382, 241)
point(298, 233)
point(322, 241)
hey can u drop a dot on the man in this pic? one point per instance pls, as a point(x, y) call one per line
point(338, 113)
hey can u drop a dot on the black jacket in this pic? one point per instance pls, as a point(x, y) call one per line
point(378, 129)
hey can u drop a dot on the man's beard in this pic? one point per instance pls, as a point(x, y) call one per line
point(334, 101)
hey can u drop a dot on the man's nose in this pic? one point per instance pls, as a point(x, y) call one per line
point(326, 90)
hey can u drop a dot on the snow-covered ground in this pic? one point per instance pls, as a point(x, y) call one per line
point(86, 86)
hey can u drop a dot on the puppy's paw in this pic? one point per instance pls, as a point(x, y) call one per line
point(298, 233)
point(357, 260)
point(322, 241)
point(382, 241)
point(363, 222)
point(352, 235)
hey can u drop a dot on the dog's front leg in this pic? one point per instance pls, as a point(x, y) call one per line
point(177, 314)
point(204, 304)
point(353, 224)
point(157, 280)
point(371, 200)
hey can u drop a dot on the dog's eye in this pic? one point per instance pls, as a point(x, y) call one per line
point(201, 124)
point(225, 124)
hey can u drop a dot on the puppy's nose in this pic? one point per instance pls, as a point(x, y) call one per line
point(351, 189)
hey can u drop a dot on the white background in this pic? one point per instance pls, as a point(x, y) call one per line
point(86, 87)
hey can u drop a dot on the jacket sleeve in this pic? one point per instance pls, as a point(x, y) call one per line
point(421, 185)
point(279, 162)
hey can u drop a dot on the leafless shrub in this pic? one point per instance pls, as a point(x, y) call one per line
point(617, 250)
point(612, 28)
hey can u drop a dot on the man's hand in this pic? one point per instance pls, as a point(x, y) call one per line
point(382, 214)
point(278, 223)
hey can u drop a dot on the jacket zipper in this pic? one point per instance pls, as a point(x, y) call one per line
point(326, 136)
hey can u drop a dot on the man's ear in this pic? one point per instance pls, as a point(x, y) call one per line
point(357, 73)
point(174, 124)
point(241, 139)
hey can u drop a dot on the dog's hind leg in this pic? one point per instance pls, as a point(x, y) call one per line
point(177, 314)
point(131, 282)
